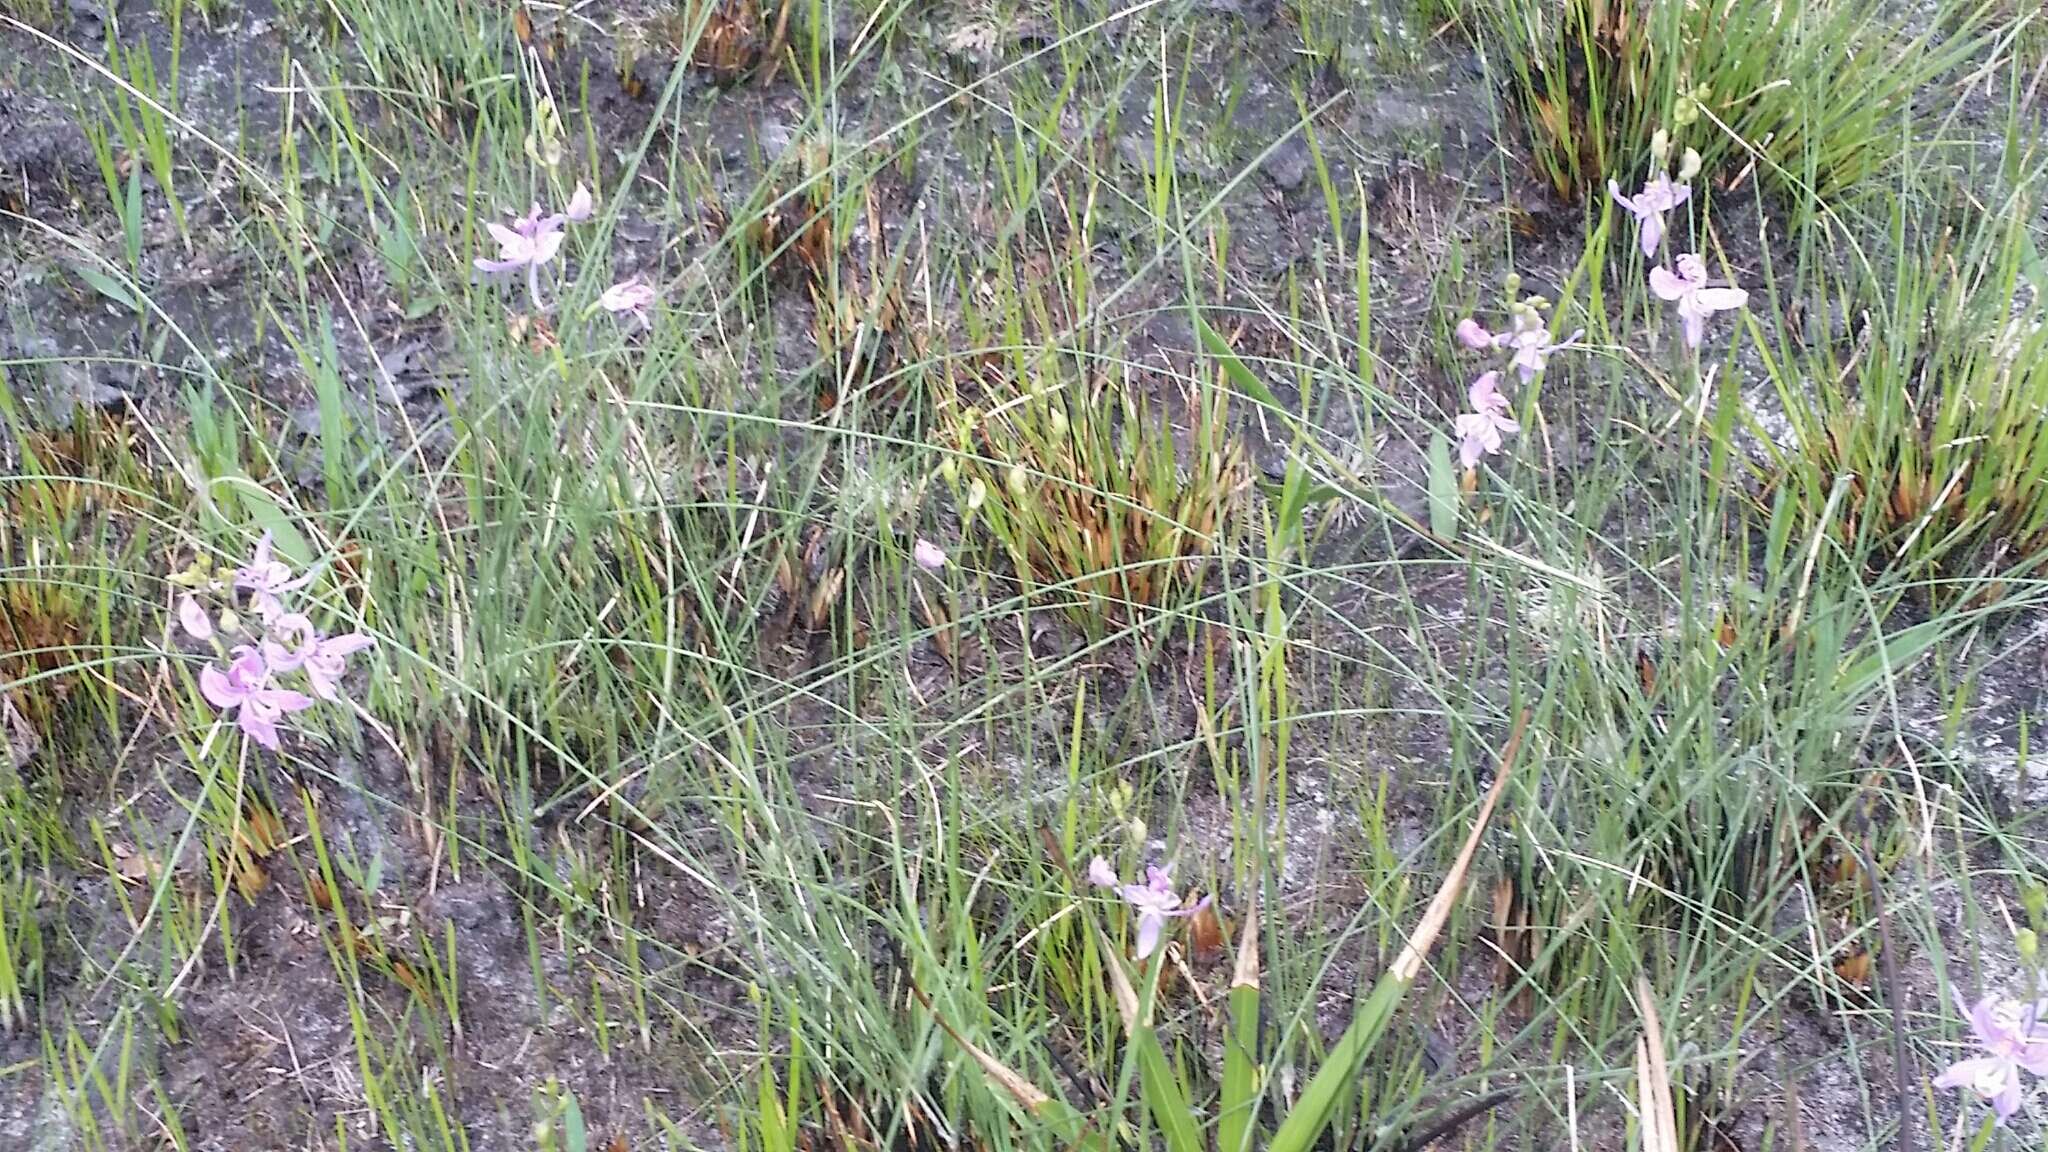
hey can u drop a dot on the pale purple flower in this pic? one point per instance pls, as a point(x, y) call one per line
point(1529, 336)
point(1154, 901)
point(2008, 1034)
point(1472, 334)
point(245, 689)
point(629, 296)
point(265, 578)
point(1659, 195)
point(929, 556)
point(328, 661)
point(1696, 300)
point(531, 241)
point(193, 619)
point(1480, 430)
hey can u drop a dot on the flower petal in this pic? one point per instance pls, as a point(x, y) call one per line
point(581, 204)
point(1721, 299)
point(258, 727)
point(218, 689)
point(1151, 925)
point(1652, 232)
point(193, 619)
point(1666, 285)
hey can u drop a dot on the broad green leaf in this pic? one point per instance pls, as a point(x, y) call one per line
point(106, 286)
point(1240, 376)
point(1443, 488)
point(1164, 1094)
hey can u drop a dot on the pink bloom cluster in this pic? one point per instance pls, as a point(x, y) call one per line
point(532, 240)
point(2010, 1039)
point(1688, 286)
point(288, 643)
point(1529, 347)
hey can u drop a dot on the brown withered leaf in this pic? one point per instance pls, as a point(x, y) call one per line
point(1205, 935)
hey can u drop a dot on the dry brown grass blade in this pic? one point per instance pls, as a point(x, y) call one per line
point(1246, 972)
point(1024, 1091)
point(1416, 949)
point(1653, 1077)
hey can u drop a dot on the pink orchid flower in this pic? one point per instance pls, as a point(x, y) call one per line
point(1659, 195)
point(1696, 300)
point(929, 556)
point(1529, 336)
point(1480, 430)
point(529, 242)
point(265, 579)
point(2010, 1037)
point(1154, 901)
point(328, 662)
point(245, 689)
point(629, 297)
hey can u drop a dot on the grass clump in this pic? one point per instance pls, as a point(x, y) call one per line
point(1089, 489)
point(1927, 399)
point(1811, 94)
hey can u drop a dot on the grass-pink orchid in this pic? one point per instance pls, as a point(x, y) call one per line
point(1480, 430)
point(1155, 901)
point(1529, 336)
point(328, 661)
point(631, 297)
point(1696, 299)
point(2009, 1035)
point(529, 242)
point(1660, 194)
point(244, 688)
point(265, 578)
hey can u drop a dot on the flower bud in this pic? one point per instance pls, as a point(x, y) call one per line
point(1660, 150)
point(229, 622)
point(976, 493)
point(1689, 165)
point(949, 469)
point(1056, 422)
point(2028, 944)
point(1513, 284)
point(1017, 481)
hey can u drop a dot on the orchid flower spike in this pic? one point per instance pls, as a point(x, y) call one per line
point(1659, 195)
point(1480, 430)
point(1696, 300)
point(1154, 901)
point(2010, 1038)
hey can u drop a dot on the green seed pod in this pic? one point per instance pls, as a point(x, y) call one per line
point(1056, 421)
point(2029, 945)
point(976, 493)
point(1017, 481)
point(949, 469)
